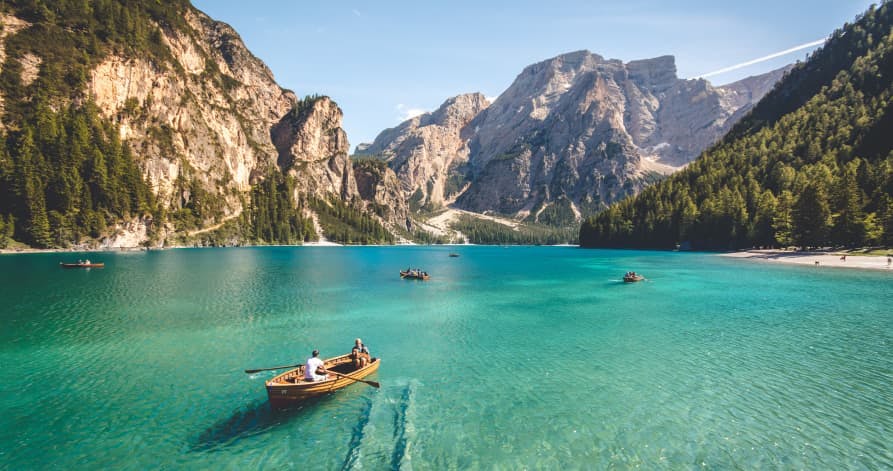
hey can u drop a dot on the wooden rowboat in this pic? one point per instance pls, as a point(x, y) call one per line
point(414, 275)
point(291, 388)
point(632, 278)
point(454, 255)
point(82, 265)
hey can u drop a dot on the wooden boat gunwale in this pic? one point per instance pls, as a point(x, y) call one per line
point(282, 390)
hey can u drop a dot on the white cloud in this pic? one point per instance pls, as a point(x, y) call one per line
point(491, 99)
point(356, 12)
point(763, 59)
point(407, 112)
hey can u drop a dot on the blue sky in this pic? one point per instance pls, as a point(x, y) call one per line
point(383, 61)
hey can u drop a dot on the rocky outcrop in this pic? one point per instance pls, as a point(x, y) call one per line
point(429, 151)
point(380, 189)
point(570, 135)
point(217, 116)
point(312, 147)
point(205, 118)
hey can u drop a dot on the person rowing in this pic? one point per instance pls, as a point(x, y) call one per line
point(315, 369)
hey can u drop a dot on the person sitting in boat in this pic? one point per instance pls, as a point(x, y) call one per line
point(315, 369)
point(360, 354)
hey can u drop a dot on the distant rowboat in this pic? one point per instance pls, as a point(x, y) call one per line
point(291, 387)
point(454, 255)
point(82, 265)
point(632, 277)
point(414, 275)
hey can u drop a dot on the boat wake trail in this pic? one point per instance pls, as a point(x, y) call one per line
point(383, 436)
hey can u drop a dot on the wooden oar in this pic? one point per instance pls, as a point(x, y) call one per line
point(370, 383)
point(273, 368)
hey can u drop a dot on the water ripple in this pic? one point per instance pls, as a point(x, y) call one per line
point(507, 358)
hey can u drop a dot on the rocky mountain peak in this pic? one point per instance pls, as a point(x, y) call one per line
point(570, 134)
point(310, 131)
point(655, 75)
point(455, 111)
point(425, 151)
point(313, 147)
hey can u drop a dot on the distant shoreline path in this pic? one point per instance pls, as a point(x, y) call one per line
point(824, 259)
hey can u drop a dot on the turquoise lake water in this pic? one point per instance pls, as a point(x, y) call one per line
point(508, 358)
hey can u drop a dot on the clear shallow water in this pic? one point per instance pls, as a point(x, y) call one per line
point(508, 358)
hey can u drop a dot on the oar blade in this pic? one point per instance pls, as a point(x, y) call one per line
point(374, 384)
point(273, 368)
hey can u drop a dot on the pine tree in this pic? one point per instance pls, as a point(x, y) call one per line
point(810, 216)
point(849, 223)
point(762, 233)
point(886, 221)
point(783, 220)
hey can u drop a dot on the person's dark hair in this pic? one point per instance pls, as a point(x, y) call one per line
point(316, 353)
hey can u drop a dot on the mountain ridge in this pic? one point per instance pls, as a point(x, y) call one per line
point(193, 119)
point(573, 132)
point(811, 166)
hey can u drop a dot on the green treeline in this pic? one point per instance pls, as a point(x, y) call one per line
point(273, 216)
point(811, 166)
point(348, 224)
point(481, 231)
point(270, 217)
point(64, 173)
point(65, 176)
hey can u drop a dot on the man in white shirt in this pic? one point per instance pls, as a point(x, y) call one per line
point(315, 369)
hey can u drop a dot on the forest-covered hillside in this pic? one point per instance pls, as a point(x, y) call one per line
point(64, 173)
point(810, 166)
point(150, 122)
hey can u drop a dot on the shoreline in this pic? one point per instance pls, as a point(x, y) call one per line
point(814, 259)
point(22, 251)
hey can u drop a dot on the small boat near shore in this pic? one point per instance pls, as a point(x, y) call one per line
point(290, 388)
point(414, 275)
point(86, 264)
point(454, 255)
point(632, 277)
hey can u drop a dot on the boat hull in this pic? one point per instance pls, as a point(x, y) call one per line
point(283, 391)
point(407, 275)
point(82, 265)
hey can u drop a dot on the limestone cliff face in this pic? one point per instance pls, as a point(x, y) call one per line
point(218, 117)
point(313, 148)
point(578, 131)
point(427, 151)
point(207, 117)
point(571, 134)
point(380, 190)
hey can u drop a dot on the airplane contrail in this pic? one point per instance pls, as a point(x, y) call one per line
point(764, 58)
